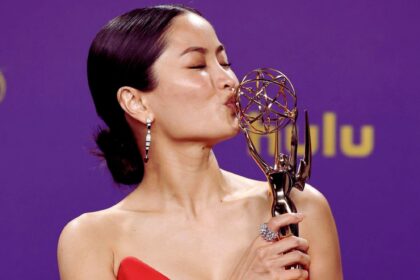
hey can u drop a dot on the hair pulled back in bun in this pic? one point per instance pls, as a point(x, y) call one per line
point(122, 54)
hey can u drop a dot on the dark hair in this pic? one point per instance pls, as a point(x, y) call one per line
point(122, 54)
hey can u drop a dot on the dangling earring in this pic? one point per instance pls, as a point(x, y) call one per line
point(148, 139)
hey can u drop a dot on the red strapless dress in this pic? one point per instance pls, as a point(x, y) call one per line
point(132, 268)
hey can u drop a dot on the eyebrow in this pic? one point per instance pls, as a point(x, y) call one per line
point(202, 50)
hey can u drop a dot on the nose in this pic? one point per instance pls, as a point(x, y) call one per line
point(226, 79)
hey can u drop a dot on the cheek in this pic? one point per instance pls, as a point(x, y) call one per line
point(185, 103)
point(190, 91)
point(189, 82)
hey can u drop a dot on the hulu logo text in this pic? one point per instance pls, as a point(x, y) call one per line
point(324, 139)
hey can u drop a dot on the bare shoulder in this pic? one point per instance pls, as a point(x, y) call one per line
point(86, 226)
point(318, 227)
point(314, 205)
point(85, 247)
point(311, 201)
point(89, 221)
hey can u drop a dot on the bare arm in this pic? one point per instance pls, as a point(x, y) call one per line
point(320, 230)
point(83, 253)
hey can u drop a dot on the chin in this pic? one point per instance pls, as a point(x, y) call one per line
point(235, 125)
point(228, 133)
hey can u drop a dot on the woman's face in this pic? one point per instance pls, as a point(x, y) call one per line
point(194, 82)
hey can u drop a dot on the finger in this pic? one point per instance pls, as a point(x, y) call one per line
point(291, 259)
point(288, 260)
point(279, 248)
point(294, 274)
point(285, 245)
point(275, 223)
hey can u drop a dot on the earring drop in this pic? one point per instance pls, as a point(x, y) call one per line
point(148, 139)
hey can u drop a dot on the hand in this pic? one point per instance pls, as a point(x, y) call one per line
point(268, 260)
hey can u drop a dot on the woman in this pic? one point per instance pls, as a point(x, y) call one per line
point(161, 71)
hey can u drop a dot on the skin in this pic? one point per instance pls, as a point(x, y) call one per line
point(187, 212)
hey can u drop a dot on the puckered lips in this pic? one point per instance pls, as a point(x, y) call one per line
point(231, 102)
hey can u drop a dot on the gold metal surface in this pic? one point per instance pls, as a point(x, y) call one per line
point(267, 103)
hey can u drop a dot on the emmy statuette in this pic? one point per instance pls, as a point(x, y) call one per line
point(266, 102)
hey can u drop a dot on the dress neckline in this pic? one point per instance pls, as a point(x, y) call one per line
point(137, 261)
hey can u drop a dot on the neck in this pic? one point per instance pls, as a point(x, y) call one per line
point(182, 177)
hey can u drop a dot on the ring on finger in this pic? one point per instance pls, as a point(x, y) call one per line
point(267, 234)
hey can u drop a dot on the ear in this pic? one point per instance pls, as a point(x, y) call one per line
point(132, 101)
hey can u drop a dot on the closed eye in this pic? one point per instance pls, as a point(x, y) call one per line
point(226, 64)
point(197, 67)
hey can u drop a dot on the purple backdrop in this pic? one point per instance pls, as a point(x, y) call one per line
point(355, 61)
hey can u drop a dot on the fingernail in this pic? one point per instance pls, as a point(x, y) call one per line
point(299, 216)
